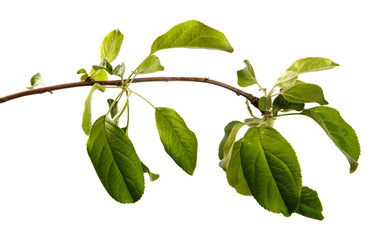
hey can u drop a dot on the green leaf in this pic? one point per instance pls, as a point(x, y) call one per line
point(287, 80)
point(246, 76)
point(153, 176)
point(81, 71)
point(35, 81)
point(150, 65)
point(104, 64)
point(310, 205)
point(192, 34)
point(114, 110)
point(234, 172)
point(340, 132)
point(229, 143)
point(271, 169)
point(115, 161)
point(305, 93)
point(111, 45)
point(312, 64)
point(265, 103)
point(119, 70)
point(84, 77)
point(87, 114)
point(99, 75)
point(227, 131)
point(178, 140)
point(280, 103)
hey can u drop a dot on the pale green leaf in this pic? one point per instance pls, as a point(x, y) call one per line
point(229, 143)
point(227, 131)
point(340, 132)
point(104, 64)
point(310, 205)
point(114, 110)
point(153, 176)
point(178, 140)
point(35, 81)
point(115, 161)
point(81, 71)
point(271, 169)
point(99, 75)
point(87, 114)
point(305, 93)
point(234, 172)
point(150, 65)
point(119, 70)
point(312, 64)
point(287, 80)
point(111, 45)
point(246, 76)
point(192, 34)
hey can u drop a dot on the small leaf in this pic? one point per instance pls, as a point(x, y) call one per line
point(114, 110)
point(280, 103)
point(246, 76)
point(229, 143)
point(111, 45)
point(305, 93)
point(271, 169)
point(104, 64)
point(35, 81)
point(178, 140)
point(87, 114)
point(265, 103)
point(119, 70)
point(310, 205)
point(340, 132)
point(99, 75)
point(227, 131)
point(192, 34)
point(151, 65)
point(234, 172)
point(287, 80)
point(312, 64)
point(115, 161)
point(153, 176)
point(84, 77)
point(81, 71)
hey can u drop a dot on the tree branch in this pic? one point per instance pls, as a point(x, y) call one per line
point(254, 100)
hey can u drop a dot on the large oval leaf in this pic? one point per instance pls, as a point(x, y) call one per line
point(311, 64)
point(111, 45)
point(178, 140)
point(115, 161)
point(192, 34)
point(305, 93)
point(271, 169)
point(341, 133)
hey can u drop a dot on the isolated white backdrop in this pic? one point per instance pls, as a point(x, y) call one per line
point(48, 187)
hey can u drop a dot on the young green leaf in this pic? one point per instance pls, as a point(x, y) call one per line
point(246, 76)
point(310, 205)
point(192, 34)
point(84, 73)
point(340, 132)
point(81, 71)
point(280, 103)
point(150, 65)
point(104, 64)
point(178, 140)
point(35, 81)
point(271, 169)
point(305, 93)
point(312, 64)
point(227, 131)
point(153, 176)
point(115, 161)
point(234, 172)
point(287, 80)
point(87, 114)
point(265, 103)
point(99, 75)
point(119, 70)
point(114, 109)
point(111, 45)
point(229, 143)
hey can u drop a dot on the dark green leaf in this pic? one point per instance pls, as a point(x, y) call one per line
point(150, 65)
point(281, 103)
point(119, 70)
point(114, 110)
point(287, 80)
point(310, 205)
point(265, 103)
point(340, 132)
point(311, 64)
point(87, 114)
point(104, 64)
point(305, 93)
point(234, 172)
point(178, 140)
point(271, 169)
point(35, 81)
point(246, 76)
point(115, 161)
point(111, 45)
point(192, 34)
point(153, 176)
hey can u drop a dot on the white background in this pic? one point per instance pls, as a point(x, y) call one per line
point(48, 187)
